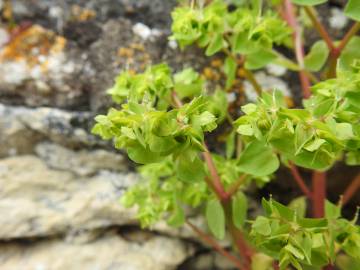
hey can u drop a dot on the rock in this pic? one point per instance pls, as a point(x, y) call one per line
point(83, 162)
point(39, 67)
point(266, 82)
point(338, 20)
point(108, 252)
point(120, 49)
point(21, 128)
point(37, 201)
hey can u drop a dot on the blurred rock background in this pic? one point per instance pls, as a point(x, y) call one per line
point(59, 185)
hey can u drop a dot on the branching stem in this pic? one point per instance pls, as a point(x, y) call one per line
point(351, 189)
point(299, 180)
point(318, 193)
point(290, 17)
point(210, 241)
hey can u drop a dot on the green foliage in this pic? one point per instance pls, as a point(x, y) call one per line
point(308, 2)
point(162, 120)
point(316, 136)
point(215, 28)
point(352, 10)
point(286, 235)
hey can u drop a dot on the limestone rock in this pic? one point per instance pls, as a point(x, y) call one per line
point(109, 252)
point(21, 128)
point(83, 162)
point(37, 201)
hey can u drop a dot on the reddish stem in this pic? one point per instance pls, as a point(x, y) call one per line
point(351, 189)
point(290, 17)
point(299, 180)
point(319, 193)
point(235, 186)
point(206, 238)
point(240, 242)
point(216, 180)
point(319, 27)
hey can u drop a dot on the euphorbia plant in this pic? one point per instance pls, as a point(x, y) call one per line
point(164, 120)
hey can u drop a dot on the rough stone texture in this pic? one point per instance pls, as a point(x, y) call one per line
point(108, 252)
point(21, 128)
point(83, 162)
point(38, 201)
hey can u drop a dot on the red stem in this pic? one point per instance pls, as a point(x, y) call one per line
point(290, 17)
point(319, 193)
point(351, 189)
point(216, 181)
point(245, 250)
point(299, 180)
point(206, 238)
point(320, 28)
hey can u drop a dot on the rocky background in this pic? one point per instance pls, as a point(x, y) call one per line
point(59, 185)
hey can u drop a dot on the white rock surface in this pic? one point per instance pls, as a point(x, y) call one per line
point(83, 162)
point(110, 252)
point(38, 201)
point(338, 20)
point(267, 83)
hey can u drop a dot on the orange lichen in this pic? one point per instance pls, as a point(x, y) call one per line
point(289, 101)
point(32, 43)
point(211, 74)
point(216, 63)
point(82, 14)
point(125, 52)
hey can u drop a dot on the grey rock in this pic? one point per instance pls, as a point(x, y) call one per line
point(21, 128)
point(37, 201)
point(108, 252)
point(83, 162)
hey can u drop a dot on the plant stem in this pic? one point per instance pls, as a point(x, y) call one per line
point(209, 240)
point(319, 27)
point(290, 17)
point(216, 181)
point(299, 180)
point(351, 189)
point(215, 184)
point(318, 193)
point(251, 78)
point(235, 186)
point(245, 250)
point(336, 52)
point(353, 30)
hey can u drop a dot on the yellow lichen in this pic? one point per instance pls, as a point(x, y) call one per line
point(82, 14)
point(31, 45)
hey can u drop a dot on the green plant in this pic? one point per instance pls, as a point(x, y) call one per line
point(163, 120)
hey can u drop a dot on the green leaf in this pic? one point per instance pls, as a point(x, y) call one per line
point(262, 226)
point(344, 131)
point(299, 206)
point(177, 219)
point(230, 71)
point(308, 2)
point(302, 135)
point(230, 145)
point(258, 159)
point(352, 10)
point(350, 53)
point(317, 56)
point(142, 155)
point(216, 44)
point(295, 251)
point(189, 170)
point(246, 130)
point(332, 211)
point(314, 145)
point(259, 59)
point(239, 209)
point(215, 218)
